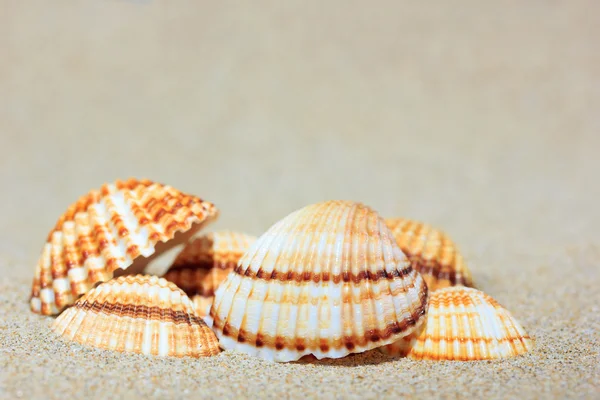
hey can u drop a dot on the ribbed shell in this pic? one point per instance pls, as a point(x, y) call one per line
point(464, 324)
point(432, 253)
point(205, 262)
point(327, 280)
point(108, 229)
point(138, 314)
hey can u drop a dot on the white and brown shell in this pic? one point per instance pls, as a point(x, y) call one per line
point(138, 314)
point(464, 324)
point(205, 262)
point(108, 229)
point(328, 280)
point(432, 253)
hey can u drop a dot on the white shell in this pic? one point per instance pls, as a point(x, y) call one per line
point(327, 280)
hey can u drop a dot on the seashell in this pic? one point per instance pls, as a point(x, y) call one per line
point(205, 262)
point(138, 314)
point(108, 229)
point(327, 280)
point(432, 253)
point(463, 324)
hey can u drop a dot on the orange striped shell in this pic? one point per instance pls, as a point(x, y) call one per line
point(464, 324)
point(432, 253)
point(138, 314)
point(328, 280)
point(205, 262)
point(108, 229)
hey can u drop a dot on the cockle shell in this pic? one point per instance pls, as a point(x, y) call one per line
point(327, 280)
point(432, 253)
point(205, 262)
point(138, 314)
point(108, 229)
point(464, 324)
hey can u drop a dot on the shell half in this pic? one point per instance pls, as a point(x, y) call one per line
point(432, 253)
point(464, 324)
point(138, 314)
point(108, 229)
point(205, 262)
point(328, 280)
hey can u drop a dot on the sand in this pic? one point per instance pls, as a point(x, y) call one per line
point(480, 119)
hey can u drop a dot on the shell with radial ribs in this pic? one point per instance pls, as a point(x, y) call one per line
point(108, 229)
point(138, 314)
point(432, 253)
point(205, 262)
point(327, 280)
point(464, 324)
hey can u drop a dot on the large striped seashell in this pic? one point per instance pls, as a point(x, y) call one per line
point(464, 324)
point(205, 262)
point(432, 253)
point(138, 314)
point(108, 229)
point(327, 280)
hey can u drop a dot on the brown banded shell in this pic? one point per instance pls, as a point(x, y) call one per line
point(108, 229)
point(464, 324)
point(205, 262)
point(432, 253)
point(328, 280)
point(138, 314)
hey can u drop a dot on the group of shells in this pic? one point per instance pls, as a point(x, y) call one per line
point(328, 280)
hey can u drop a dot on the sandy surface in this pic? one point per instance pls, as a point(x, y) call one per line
point(482, 120)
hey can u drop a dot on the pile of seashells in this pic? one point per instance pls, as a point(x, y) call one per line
point(328, 280)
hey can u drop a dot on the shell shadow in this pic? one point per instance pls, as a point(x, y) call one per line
point(371, 357)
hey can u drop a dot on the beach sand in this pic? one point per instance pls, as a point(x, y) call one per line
point(480, 119)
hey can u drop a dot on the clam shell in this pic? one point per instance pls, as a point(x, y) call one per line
point(327, 280)
point(432, 253)
point(464, 324)
point(108, 229)
point(205, 262)
point(138, 314)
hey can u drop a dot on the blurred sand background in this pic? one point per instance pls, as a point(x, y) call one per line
point(482, 119)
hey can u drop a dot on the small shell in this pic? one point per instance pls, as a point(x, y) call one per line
point(327, 280)
point(108, 229)
point(464, 324)
point(205, 262)
point(138, 314)
point(432, 253)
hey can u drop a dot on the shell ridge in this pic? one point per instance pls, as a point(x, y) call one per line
point(69, 315)
point(335, 257)
point(138, 233)
point(228, 318)
point(113, 324)
point(107, 211)
point(264, 248)
point(367, 287)
point(80, 304)
point(379, 250)
point(297, 264)
point(315, 258)
point(123, 338)
point(290, 244)
point(386, 310)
